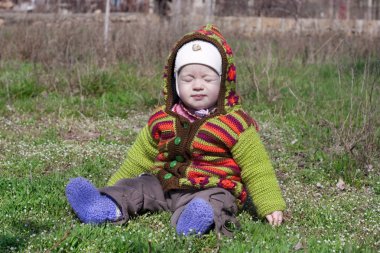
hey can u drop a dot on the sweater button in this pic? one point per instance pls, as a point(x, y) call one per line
point(173, 164)
point(168, 176)
point(177, 140)
point(179, 158)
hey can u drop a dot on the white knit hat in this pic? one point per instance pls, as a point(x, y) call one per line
point(198, 52)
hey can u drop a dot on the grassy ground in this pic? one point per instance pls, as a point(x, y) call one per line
point(319, 121)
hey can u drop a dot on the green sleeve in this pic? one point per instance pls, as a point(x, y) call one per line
point(257, 173)
point(140, 157)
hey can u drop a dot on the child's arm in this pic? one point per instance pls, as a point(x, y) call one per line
point(140, 157)
point(258, 174)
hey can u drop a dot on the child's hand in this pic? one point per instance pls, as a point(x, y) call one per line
point(275, 218)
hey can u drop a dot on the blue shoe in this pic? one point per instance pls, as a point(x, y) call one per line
point(196, 218)
point(88, 204)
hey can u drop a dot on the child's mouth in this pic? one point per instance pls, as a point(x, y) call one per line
point(198, 97)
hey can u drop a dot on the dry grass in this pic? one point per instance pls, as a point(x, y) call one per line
point(67, 42)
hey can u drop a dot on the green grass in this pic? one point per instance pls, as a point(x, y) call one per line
point(31, 88)
point(58, 124)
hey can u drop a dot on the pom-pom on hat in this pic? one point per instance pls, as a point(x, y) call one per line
point(198, 52)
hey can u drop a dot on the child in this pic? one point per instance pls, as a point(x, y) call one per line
point(198, 156)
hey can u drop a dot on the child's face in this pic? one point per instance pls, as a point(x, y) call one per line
point(198, 86)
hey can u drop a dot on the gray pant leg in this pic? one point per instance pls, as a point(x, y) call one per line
point(137, 196)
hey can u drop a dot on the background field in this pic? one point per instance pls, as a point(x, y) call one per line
point(67, 109)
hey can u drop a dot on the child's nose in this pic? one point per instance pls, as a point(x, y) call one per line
point(198, 84)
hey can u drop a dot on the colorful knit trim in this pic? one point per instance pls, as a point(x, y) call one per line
point(162, 126)
point(229, 99)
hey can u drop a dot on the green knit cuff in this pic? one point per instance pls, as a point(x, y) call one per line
point(266, 207)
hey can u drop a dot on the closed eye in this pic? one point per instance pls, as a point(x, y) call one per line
point(187, 80)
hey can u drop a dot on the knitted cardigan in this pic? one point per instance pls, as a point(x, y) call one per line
point(220, 150)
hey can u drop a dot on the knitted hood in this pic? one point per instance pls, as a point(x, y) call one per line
point(228, 99)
